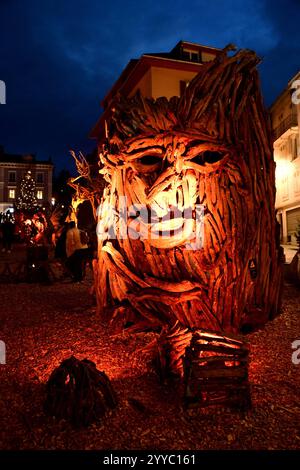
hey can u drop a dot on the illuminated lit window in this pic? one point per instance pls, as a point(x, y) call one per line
point(39, 195)
point(12, 194)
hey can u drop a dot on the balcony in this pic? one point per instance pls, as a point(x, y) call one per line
point(287, 123)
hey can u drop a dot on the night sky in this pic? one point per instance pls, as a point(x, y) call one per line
point(60, 57)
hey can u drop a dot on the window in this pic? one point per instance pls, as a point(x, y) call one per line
point(191, 56)
point(285, 188)
point(295, 148)
point(40, 177)
point(297, 182)
point(39, 194)
point(12, 176)
point(185, 55)
point(11, 194)
point(283, 150)
point(195, 57)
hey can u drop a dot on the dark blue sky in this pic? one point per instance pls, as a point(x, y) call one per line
point(59, 57)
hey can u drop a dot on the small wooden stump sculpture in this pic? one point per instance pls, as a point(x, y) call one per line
point(78, 392)
point(171, 348)
point(216, 371)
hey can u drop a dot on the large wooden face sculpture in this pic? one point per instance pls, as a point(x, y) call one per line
point(186, 228)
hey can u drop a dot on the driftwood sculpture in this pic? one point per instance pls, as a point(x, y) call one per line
point(186, 227)
point(87, 188)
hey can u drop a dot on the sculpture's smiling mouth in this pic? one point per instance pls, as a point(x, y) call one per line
point(172, 217)
point(169, 216)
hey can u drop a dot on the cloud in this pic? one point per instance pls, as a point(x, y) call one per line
point(59, 58)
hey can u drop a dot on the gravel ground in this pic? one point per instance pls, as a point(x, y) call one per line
point(42, 325)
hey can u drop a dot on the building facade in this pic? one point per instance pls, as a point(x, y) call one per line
point(155, 75)
point(285, 116)
point(12, 170)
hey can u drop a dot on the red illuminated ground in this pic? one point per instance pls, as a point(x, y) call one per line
point(42, 325)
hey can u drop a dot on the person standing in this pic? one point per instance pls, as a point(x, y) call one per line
point(76, 252)
point(7, 234)
point(60, 252)
point(60, 245)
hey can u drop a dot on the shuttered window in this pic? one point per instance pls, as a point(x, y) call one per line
point(293, 220)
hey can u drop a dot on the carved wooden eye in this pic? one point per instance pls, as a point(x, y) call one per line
point(149, 160)
point(148, 164)
point(208, 156)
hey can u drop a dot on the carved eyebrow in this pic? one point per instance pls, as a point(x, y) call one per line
point(195, 149)
point(139, 153)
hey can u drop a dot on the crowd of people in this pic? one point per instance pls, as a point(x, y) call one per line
point(74, 248)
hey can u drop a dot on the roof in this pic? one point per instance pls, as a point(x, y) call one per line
point(175, 53)
point(19, 158)
point(136, 68)
point(287, 89)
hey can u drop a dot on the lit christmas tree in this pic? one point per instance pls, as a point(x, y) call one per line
point(27, 199)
